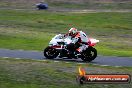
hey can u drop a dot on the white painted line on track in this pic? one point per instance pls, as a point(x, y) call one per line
point(67, 62)
point(104, 65)
point(21, 50)
point(39, 60)
point(101, 65)
point(56, 61)
point(43, 60)
point(95, 64)
point(5, 57)
point(18, 58)
point(118, 66)
point(80, 63)
point(107, 65)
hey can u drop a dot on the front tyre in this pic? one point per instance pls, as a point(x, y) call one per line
point(50, 53)
point(89, 54)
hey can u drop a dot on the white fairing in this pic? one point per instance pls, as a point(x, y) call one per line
point(67, 40)
point(93, 41)
point(83, 36)
point(59, 38)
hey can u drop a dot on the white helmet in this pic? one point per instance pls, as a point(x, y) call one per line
point(73, 31)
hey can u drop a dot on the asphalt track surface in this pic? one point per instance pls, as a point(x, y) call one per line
point(37, 55)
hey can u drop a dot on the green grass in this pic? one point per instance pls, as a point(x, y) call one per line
point(32, 30)
point(49, 74)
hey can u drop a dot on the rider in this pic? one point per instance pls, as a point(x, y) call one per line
point(79, 40)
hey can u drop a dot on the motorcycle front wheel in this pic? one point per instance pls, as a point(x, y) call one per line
point(89, 54)
point(50, 53)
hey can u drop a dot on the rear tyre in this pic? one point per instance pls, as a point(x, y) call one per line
point(89, 54)
point(50, 53)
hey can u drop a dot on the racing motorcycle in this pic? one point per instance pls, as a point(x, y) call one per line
point(58, 46)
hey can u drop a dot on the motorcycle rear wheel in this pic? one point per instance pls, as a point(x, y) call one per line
point(89, 54)
point(50, 53)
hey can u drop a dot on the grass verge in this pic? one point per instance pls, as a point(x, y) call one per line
point(49, 74)
point(33, 30)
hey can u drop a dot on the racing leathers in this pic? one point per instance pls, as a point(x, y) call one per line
point(81, 39)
